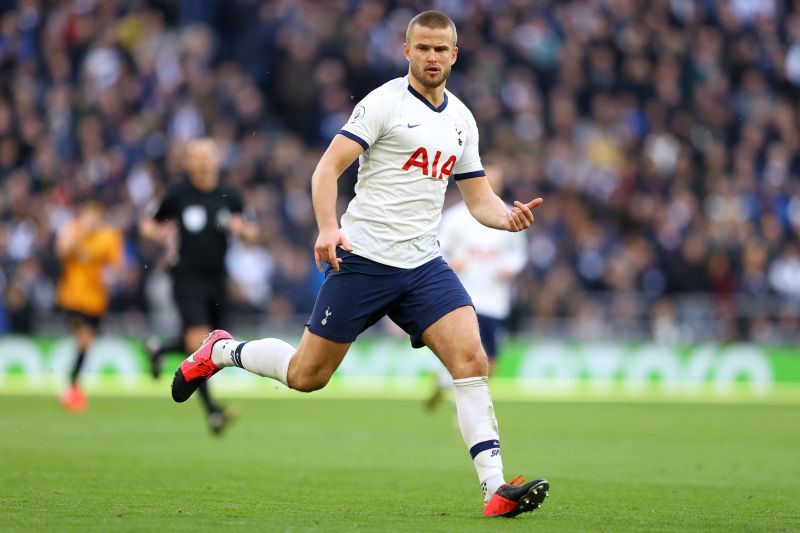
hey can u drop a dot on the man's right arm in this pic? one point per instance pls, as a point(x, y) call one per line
point(340, 154)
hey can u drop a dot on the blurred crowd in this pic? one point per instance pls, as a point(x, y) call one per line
point(664, 136)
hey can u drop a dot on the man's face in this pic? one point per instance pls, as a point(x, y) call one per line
point(91, 217)
point(202, 163)
point(430, 54)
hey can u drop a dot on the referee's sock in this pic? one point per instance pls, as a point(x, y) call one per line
point(265, 357)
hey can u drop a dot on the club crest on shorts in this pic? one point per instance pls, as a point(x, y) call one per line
point(327, 314)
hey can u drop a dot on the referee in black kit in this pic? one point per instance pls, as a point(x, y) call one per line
point(206, 212)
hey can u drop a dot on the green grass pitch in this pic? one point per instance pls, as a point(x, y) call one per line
point(323, 464)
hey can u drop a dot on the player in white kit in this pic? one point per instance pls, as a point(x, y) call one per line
point(486, 261)
point(411, 137)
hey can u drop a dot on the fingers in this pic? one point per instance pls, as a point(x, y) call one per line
point(346, 244)
point(325, 249)
point(332, 259)
point(325, 254)
point(316, 260)
point(518, 221)
point(328, 255)
point(526, 212)
point(535, 203)
point(521, 217)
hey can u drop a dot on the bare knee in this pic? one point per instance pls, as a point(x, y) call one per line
point(471, 363)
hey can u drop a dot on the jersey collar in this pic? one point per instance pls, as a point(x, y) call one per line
point(426, 102)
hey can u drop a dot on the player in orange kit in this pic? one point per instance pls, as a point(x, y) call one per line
point(91, 253)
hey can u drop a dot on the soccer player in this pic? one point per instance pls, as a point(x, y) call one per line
point(486, 261)
point(91, 253)
point(206, 212)
point(411, 137)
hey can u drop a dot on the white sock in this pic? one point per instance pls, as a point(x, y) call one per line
point(490, 486)
point(479, 429)
point(221, 353)
point(265, 357)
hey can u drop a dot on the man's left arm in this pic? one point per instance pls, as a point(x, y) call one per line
point(490, 210)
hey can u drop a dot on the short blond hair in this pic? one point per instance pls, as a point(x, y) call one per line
point(434, 20)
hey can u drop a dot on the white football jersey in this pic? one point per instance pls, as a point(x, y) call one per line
point(484, 252)
point(411, 151)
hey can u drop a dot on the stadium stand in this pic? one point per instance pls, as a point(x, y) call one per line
point(664, 137)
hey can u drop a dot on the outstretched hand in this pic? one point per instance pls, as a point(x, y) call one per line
point(325, 248)
point(521, 216)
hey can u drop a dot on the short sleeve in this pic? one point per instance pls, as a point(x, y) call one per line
point(469, 164)
point(368, 122)
point(168, 208)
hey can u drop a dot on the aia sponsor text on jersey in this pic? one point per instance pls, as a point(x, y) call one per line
point(420, 159)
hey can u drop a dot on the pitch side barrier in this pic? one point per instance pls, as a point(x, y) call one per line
point(389, 367)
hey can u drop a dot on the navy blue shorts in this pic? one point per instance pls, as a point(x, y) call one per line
point(489, 327)
point(363, 292)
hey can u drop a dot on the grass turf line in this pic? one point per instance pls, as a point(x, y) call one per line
point(133, 464)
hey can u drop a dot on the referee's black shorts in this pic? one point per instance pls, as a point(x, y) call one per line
point(200, 299)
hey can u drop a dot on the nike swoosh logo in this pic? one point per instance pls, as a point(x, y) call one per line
point(191, 359)
point(414, 126)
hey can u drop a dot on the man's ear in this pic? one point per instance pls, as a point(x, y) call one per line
point(455, 55)
point(406, 51)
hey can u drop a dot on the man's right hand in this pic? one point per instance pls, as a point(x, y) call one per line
point(325, 248)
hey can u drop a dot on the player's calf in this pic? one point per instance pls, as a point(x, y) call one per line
point(312, 365)
point(307, 382)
